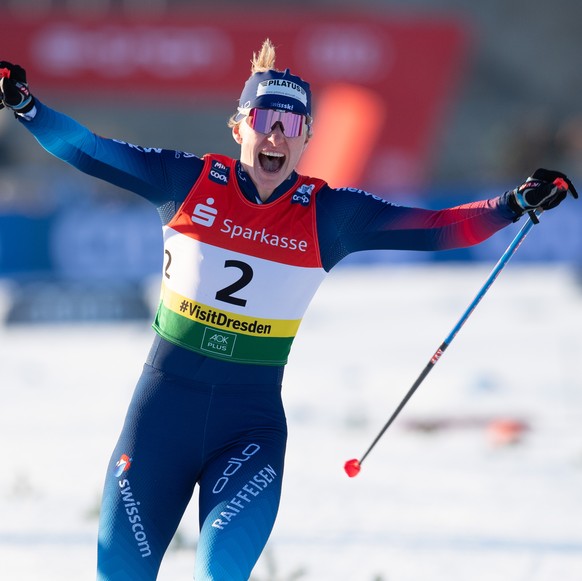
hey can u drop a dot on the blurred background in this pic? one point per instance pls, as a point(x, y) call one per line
point(423, 102)
point(430, 102)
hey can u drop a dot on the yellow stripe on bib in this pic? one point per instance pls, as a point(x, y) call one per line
point(226, 320)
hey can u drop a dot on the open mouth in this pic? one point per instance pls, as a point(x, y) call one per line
point(271, 161)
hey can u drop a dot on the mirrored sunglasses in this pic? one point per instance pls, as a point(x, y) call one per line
point(263, 121)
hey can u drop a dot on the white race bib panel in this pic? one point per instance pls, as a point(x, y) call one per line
point(238, 276)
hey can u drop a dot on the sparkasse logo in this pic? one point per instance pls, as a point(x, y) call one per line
point(205, 214)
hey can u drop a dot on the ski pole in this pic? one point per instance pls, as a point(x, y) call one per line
point(352, 467)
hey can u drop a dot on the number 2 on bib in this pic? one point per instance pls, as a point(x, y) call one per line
point(246, 275)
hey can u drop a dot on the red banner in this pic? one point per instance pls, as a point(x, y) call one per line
point(385, 80)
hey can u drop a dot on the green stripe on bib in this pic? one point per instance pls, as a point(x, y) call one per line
point(221, 343)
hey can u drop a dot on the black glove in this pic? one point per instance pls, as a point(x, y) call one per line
point(14, 92)
point(545, 189)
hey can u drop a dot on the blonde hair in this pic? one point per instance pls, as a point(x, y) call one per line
point(261, 62)
point(265, 59)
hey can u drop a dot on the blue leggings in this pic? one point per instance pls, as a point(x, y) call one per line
point(227, 438)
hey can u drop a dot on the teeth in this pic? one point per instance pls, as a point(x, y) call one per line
point(272, 154)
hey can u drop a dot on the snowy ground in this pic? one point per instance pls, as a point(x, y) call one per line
point(449, 504)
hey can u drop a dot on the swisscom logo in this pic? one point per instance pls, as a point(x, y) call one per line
point(123, 465)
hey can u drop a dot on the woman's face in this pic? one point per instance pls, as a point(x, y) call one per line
point(269, 158)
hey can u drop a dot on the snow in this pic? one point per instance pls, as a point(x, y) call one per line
point(451, 503)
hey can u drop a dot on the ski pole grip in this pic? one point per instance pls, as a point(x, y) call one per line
point(533, 216)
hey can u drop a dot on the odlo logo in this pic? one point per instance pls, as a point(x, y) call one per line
point(205, 214)
point(233, 465)
point(303, 195)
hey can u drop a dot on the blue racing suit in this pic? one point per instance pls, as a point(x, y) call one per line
point(196, 419)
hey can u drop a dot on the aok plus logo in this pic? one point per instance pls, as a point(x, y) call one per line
point(218, 341)
point(204, 214)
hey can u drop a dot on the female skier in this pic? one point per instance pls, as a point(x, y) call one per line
point(246, 244)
